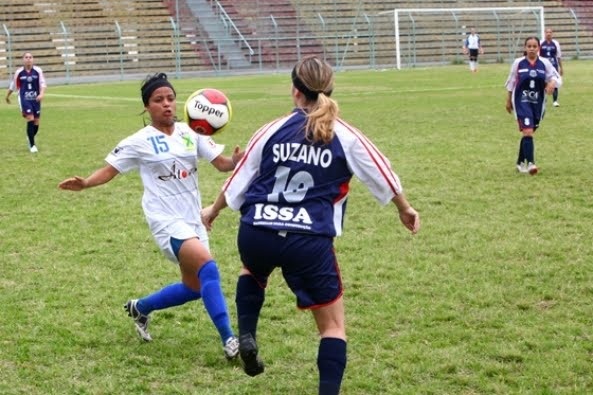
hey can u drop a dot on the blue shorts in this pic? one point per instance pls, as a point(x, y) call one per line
point(529, 115)
point(30, 107)
point(308, 263)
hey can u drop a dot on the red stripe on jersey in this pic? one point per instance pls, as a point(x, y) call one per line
point(376, 156)
point(252, 143)
point(344, 188)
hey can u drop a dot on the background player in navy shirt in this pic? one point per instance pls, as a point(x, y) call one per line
point(30, 84)
point(291, 188)
point(530, 79)
point(550, 49)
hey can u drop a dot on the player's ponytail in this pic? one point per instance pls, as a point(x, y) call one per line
point(314, 78)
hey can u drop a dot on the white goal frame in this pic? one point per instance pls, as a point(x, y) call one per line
point(398, 11)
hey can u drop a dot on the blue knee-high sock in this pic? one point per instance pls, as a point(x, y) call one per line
point(528, 148)
point(331, 361)
point(35, 129)
point(521, 157)
point(169, 296)
point(249, 300)
point(214, 299)
point(31, 132)
point(555, 94)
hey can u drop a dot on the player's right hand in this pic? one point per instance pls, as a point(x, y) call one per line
point(208, 215)
point(75, 183)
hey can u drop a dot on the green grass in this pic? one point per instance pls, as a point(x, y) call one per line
point(493, 296)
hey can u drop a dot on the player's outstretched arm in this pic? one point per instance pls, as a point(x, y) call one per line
point(228, 163)
point(408, 216)
point(99, 177)
point(209, 214)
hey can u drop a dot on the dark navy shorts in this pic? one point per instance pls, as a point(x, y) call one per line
point(308, 263)
point(528, 115)
point(30, 107)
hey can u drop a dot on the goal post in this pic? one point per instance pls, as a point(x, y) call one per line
point(448, 27)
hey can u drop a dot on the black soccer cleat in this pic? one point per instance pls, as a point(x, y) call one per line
point(252, 365)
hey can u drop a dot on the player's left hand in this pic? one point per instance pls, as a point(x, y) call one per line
point(237, 155)
point(410, 219)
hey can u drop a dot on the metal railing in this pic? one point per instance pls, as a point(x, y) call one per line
point(275, 43)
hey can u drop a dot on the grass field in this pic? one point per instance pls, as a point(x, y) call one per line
point(493, 296)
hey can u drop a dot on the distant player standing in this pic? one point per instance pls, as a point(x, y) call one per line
point(473, 46)
point(530, 79)
point(30, 83)
point(550, 49)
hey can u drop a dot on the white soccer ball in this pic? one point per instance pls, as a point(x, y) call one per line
point(207, 111)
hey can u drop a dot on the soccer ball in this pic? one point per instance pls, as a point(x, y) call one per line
point(207, 111)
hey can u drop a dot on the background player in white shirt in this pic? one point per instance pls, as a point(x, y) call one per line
point(473, 46)
point(166, 154)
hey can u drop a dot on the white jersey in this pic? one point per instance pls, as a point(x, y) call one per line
point(168, 168)
point(472, 41)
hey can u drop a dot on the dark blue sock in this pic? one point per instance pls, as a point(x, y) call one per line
point(214, 299)
point(528, 148)
point(171, 295)
point(331, 361)
point(521, 157)
point(31, 132)
point(555, 94)
point(35, 129)
point(249, 300)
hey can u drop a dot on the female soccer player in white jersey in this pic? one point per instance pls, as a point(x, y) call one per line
point(291, 187)
point(473, 47)
point(530, 79)
point(166, 153)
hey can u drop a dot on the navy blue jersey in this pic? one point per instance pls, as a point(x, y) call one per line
point(287, 183)
point(527, 81)
point(28, 83)
point(551, 51)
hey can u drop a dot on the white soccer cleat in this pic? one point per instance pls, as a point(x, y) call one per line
point(231, 348)
point(556, 104)
point(33, 149)
point(532, 169)
point(522, 168)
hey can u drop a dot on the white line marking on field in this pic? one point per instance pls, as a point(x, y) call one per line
point(93, 97)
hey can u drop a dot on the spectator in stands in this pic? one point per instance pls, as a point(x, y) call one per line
point(291, 188)
point(550, 49)
point(473, 46)
point(531, 77)
point(29, 81)
point(166, 153)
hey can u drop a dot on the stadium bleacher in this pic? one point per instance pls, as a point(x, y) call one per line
point(118, 38)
